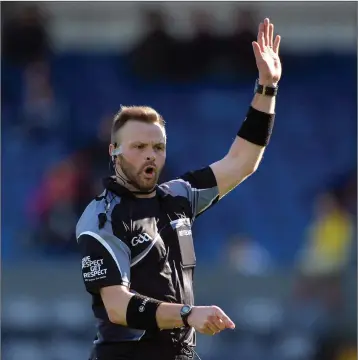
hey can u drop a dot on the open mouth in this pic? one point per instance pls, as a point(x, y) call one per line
point(149, 170)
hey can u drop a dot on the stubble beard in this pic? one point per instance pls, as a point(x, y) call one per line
point(134, 177)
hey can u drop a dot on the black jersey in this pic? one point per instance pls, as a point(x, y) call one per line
point(145, 244)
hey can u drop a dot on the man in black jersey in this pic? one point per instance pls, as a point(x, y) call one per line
point(136, 239)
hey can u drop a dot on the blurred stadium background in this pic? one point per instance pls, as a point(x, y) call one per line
point(285, 240)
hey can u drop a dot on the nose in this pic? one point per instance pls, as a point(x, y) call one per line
point(150, 156)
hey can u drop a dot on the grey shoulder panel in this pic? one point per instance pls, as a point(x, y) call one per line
point(88, 225)
point(89, 219)
point(176, 187)
point(201, 196)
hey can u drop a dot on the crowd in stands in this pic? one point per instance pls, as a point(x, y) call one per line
point(159, 55)
point(43, 116)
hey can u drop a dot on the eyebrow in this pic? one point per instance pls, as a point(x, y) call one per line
point(146, 143)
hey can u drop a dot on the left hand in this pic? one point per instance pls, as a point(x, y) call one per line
point(266, 54)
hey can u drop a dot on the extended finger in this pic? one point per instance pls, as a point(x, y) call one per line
point(276, 45)
point(266, 31)
point(260, 36)
point(229, 324)
point(271, 29)
point(257, 50)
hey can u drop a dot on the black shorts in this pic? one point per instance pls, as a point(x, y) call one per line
point(142, 350)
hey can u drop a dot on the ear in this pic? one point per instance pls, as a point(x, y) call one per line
point(115, 150)
point(111, 149)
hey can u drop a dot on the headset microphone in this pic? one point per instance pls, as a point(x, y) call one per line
point(116, 151)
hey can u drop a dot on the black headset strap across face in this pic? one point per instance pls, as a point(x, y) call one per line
point(116, 152)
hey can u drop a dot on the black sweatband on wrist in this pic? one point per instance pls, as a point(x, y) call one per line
point(257, 127)
point(141, 313)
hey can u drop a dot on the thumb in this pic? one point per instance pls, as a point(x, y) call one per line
point(257, 50)
point(229, 324)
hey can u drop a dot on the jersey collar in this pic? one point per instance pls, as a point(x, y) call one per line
point(110, 184)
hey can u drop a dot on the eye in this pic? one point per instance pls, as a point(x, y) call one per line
point(140, 146)
point(160, 147)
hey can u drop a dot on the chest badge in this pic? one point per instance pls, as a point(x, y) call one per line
point(141, 239)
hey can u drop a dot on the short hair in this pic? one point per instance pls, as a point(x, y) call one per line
point(139, 113)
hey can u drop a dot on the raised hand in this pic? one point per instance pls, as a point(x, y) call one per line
point(266, 51)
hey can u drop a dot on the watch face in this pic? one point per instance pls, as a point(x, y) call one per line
point(185, 310)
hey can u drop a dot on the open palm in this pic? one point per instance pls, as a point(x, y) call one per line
point(266, 53)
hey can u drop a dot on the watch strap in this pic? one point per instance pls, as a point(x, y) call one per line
point(184, 316)
point(266, 90)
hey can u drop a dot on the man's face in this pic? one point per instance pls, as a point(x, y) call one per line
point(143, 152)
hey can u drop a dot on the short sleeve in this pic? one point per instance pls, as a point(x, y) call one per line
point(199, 187)
point(105, 261)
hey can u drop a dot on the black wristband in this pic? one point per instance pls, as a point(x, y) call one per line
point(257, 127)
point(265, 90)
point(141, 313)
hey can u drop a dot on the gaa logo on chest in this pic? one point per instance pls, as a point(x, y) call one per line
point(141, 239)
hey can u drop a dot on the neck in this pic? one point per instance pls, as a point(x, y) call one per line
point(146, 196)
point(132, 188)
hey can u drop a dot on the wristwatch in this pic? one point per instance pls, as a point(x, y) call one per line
point(265, 90)
point(185, 311)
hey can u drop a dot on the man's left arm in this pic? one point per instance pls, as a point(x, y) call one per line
point(247, 150)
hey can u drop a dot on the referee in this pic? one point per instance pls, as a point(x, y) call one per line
point(136, 238)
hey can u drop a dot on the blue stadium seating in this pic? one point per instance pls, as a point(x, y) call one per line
point(314, 139)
